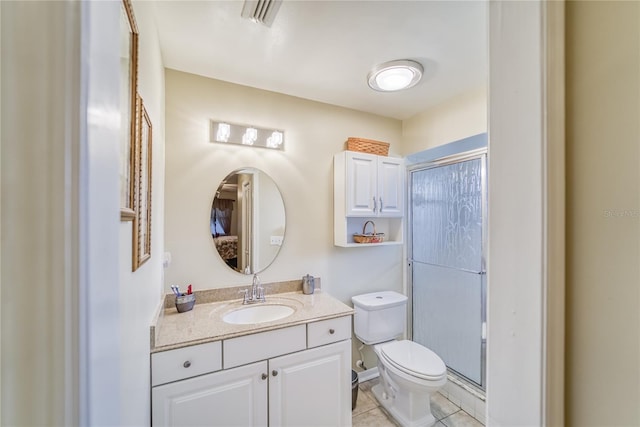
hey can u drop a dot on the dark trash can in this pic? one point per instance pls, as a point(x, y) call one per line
point(354, 389)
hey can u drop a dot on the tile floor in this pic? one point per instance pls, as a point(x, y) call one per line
point(368, 413)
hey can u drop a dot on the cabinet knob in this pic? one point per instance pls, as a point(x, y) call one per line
point(381, 205)
point(332, 331)
point(186, 364)
point(264, 376)
point(274, 373)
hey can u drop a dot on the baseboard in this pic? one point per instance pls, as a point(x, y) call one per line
point(369, 374)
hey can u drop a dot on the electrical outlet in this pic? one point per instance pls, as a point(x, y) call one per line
point(276, 240)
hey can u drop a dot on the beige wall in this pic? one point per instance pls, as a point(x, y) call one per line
point(314, 132)
point(460, 117)
point(603, 213)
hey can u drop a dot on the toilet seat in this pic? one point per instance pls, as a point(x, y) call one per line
point(414, 359)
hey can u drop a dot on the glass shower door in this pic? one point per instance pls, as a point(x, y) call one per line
point(447, 221)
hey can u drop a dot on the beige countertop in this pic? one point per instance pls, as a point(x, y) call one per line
point(204, 323)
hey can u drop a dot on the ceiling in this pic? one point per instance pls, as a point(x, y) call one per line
point(322, 50)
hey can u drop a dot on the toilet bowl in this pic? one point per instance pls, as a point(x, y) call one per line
point(409, 372)
point(407, 382)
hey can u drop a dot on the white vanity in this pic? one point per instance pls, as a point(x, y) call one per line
point(293, 371)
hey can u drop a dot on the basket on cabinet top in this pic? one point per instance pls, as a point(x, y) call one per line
point(365, 237)
point(367, 146)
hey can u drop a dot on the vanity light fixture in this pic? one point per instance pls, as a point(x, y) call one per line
point(395, 75)
point(253, 136)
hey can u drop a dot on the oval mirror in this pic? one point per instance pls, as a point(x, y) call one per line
point(247, 220)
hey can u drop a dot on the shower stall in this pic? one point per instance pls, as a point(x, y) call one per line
point(446, 258)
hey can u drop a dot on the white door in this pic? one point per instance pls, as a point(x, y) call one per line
point(234, 397)
point(361, 184)
point(390, 186)
point(312, 387)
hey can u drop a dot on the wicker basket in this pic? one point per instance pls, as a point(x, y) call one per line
point(368, 146)
point(368, 237)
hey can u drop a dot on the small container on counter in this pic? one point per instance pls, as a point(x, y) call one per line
point(308, 284)
point(185, 302)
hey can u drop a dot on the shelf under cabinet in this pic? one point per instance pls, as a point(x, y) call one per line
point(360, 245)
point(345, 227)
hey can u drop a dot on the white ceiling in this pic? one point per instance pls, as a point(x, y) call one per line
point(323, 50)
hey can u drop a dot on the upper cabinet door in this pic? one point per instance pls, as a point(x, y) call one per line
point(390, 201)
point(361, 184)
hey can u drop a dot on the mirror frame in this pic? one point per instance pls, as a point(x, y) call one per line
point(129, 92)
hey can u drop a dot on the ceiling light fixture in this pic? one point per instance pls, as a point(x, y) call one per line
point(261, 11)
point(395, 75)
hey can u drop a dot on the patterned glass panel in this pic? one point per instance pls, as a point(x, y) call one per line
point(447, 215)
point(447, 316)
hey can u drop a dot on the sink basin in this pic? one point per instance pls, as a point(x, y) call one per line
point(257, 314)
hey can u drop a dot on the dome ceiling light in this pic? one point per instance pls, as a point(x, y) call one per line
point(395, 75)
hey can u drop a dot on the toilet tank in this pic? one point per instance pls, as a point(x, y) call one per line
point(379, 316)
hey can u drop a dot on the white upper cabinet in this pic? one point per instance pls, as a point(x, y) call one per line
point(373, 184)
point(367, 188)
point(390, 187)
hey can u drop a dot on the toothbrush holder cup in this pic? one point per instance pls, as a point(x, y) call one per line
point(185, 302)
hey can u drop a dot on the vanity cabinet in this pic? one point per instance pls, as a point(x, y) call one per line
point(308, 388)
point(233, 397)
point(368, 187)
point(292, 376)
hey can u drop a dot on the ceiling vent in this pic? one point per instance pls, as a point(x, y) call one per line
point(262, 11)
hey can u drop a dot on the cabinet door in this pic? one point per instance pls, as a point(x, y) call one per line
point(235, 397)
point(390, 186)
point(312, 387)
point(361, 184)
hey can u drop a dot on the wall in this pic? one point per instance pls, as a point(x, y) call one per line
point(39, 265)
point(140, 291)
point(603, 213)
point(314, 132)
point(455, 119)
point(517, 207)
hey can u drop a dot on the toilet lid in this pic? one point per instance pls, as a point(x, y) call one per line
point(414, 359)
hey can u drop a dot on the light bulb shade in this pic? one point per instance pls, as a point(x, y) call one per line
point(224, 130)
point(395, 75)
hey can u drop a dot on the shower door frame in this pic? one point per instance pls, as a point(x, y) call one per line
point(481, 154)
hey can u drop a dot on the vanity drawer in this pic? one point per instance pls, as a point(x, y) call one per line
point(328, 331)
point(186, 362)
point(263, 345)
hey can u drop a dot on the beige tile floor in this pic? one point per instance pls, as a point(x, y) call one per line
point(368, 413)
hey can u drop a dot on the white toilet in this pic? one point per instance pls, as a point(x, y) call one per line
point(409, 372)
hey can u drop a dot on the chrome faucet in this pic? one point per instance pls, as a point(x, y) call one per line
point(257, 292)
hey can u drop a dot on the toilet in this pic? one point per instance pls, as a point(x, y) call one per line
point(409, 372)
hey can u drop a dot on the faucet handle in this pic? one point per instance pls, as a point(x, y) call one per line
point(245, 293)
